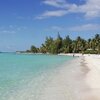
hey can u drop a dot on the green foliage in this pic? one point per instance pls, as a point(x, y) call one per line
point(33, 49)
point(67, 45)
point(91, 52)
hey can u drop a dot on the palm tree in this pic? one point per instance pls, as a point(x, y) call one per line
point(67, 44)
point(33, 49)
point(97, 42)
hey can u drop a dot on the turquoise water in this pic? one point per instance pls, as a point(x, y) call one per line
point(22, 75)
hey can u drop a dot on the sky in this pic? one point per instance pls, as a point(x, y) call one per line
point(27, 22)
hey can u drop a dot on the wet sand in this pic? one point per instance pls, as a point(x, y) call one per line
point(71, 81)
point(77, 79)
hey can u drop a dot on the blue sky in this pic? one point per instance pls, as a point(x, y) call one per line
point(27, 22)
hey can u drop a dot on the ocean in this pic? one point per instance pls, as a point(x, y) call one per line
point(24, 76)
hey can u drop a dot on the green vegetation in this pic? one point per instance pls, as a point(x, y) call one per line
point(67, 45)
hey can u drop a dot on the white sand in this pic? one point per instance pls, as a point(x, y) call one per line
point(76, 80)
point(70, 54)
point(93, 76)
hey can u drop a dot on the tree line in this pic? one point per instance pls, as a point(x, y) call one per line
point(67, 45)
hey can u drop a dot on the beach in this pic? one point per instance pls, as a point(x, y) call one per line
point(53, 78)
point(93, 76)
point(50, 50)
point(78, 79)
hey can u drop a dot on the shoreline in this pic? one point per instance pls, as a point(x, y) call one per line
point(67, 83)
point(72, 81)
point(78, 54)
point(76, 79)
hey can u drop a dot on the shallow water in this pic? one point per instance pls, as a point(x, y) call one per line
point(23, 76)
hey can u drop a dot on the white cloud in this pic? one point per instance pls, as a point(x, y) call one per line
point(85, 27)
point(21, 28)
point(57, 13)
point(7, 31)
point(90, 9)
point(79, 28)
point(56, 3)
point(11, 29)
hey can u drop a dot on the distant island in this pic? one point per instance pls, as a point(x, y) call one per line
point(67, 45)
